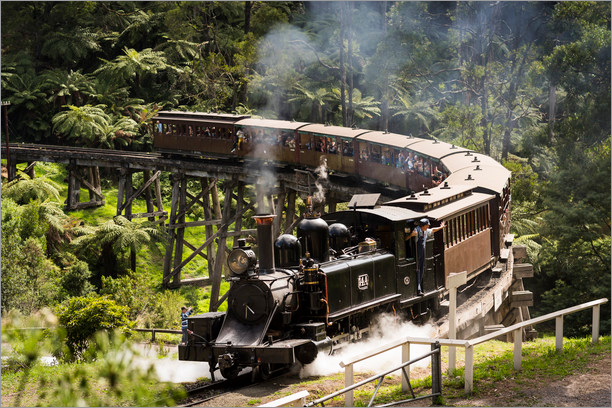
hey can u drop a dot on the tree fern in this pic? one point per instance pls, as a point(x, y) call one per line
point(24, 189)
point(119, 235)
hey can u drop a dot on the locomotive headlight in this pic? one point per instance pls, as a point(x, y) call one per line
point(240, 260)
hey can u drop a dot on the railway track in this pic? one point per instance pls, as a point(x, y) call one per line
point(207, 392)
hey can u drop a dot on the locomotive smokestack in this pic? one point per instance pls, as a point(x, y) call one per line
point(265, 242)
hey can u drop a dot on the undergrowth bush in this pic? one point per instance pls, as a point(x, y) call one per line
point(83, 317)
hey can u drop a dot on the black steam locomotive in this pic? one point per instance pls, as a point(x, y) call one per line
point(308, 292)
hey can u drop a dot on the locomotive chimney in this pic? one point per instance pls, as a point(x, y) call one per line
point(265, 242)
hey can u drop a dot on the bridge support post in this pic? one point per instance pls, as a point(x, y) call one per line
point(74, 188)
point(176, 179)
point(221, 255)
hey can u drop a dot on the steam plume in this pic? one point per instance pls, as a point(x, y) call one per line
point(321, 172)
point(386, 329)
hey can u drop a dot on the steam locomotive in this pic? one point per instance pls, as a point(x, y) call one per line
point(306, 293)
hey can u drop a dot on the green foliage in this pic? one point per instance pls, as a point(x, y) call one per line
point(29, 279)
point(83, 317)
point(113, 373)
point(74, 280)
point(24, 189)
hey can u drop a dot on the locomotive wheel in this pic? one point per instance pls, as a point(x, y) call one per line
point(229, 373)
point(265, 371)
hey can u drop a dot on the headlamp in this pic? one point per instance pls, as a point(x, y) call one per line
point(240, 260)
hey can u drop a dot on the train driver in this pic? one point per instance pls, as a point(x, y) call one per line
point(422, 232)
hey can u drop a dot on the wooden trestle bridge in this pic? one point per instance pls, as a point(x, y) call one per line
point(83, 165)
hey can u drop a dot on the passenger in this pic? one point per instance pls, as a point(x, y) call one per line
point(422, 232)
point(410, 162)
point(399, 161)
point(238, 141)
point(332, 148)
point(184, 315)
point(159, 126)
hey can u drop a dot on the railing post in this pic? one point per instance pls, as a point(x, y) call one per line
point(453, 281)
point(469, 369)
point(559, 333)
point(436, 371)
point(348, 381)
point(596, 323)
point(518, 348)
point(406, 357)
point(152, 335)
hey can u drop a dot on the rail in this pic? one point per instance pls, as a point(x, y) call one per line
point(405, 343)
point(436, 382)
point(153, 331)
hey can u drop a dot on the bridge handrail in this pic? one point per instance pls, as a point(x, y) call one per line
point(469, 344)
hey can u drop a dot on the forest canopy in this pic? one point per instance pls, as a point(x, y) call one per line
point(527, 83)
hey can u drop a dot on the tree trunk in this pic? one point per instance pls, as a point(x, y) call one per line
point(507, 134)
point(109, 260)
point(248, 6)
point(342, 68)
point(349, 26)
point(552, 111)
point(133, 260)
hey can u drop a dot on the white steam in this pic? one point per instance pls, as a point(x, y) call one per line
point(169, 368)
point(386, 329)
point(266, 181)
point(321, 172)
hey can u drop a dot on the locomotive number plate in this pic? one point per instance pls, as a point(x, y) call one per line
point(362, 282)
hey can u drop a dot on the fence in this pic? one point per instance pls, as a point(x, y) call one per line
point(436, 380)
point(153, 331)
point(469, 345)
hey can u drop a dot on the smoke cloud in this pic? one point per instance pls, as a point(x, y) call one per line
point(386, 329)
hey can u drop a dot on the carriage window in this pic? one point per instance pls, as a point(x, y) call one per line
point(332, 148)
point(426, 168)
point(387, 157)
point(363, 152)
point(347, 148)
point(375, 154)
point(288, 140)
point(418, 164)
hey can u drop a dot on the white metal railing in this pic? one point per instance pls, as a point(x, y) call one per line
point(294, 400)
point(469, 345)
point(436, 380)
